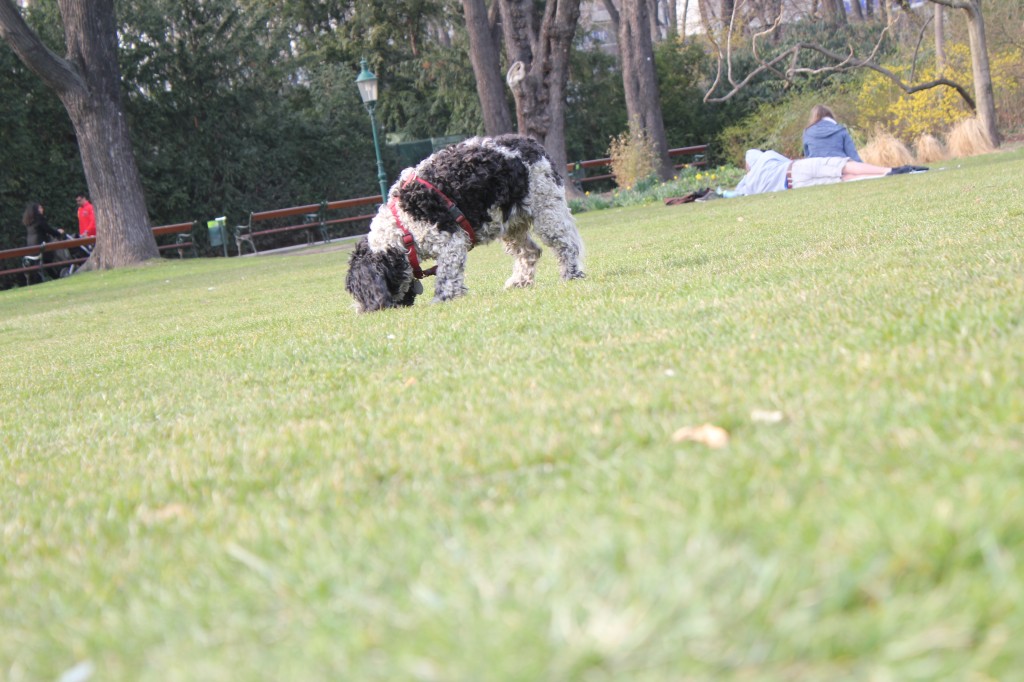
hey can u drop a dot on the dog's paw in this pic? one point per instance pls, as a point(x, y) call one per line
point(444, 295)
point(575, 274)
point(518, 283)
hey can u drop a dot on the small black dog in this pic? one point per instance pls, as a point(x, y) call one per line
point(470, 193)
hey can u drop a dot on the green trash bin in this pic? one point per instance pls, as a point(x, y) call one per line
point(218, 233)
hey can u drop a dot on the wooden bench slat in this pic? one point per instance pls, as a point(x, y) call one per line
point(694, 149)
point(179, 228)
point(21, 252)
point(54, 264)
point(287, 228)
point(352, 219)
point(352, 203)
point(30, 268)
point(284, 212)
point(69, 244)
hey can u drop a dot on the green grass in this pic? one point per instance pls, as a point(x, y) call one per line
point(216, 470)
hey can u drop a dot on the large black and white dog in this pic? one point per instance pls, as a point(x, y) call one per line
point(470, 193)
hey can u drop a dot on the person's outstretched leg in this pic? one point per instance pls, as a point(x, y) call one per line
point(857, 170)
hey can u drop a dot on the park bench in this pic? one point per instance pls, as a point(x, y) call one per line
point(578, 170)
point(30, 258)
point(312, 218)
point(183, 237)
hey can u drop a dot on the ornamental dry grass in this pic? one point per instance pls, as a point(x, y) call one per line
point(929, 149)
point(968, 138)
point(885, 150)
point(633, 157)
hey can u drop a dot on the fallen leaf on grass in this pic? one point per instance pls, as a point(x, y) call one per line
point(165, 513)
point(766, 416)
point(706, 434)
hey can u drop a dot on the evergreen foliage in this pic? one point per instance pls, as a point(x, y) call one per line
point(223, 125)
point(39, 159)
point(684, 69)
point(596, 110)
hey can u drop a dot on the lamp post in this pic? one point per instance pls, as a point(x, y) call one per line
point(367, 84)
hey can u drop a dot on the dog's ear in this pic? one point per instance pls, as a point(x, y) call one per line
point(414, 290)
point(366, 279)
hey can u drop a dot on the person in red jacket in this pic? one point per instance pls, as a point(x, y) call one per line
point(86, 217)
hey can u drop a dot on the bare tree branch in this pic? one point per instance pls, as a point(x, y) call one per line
point(954, 4)
point(613, 13)
point(917, 46)
point(842, 63)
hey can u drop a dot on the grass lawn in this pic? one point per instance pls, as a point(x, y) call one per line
point(215, 470)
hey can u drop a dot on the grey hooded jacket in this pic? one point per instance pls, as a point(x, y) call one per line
point(828, 138)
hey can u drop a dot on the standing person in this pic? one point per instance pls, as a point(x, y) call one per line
point(37, 229)
point(823, 136)
point(86, 217)
point(769, 171)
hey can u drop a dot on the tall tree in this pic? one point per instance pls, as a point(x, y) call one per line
point(88, 83)
point(672, 17)
point(983, 94)
point(538, 51)
point(640, 79)
point(485, 55)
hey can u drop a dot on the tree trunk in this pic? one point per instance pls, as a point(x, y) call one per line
point(983, 95)
point(540, 70)
point(726, 7)
point(672, 11)
point(652, 16)
point(835, 12)
point(940, 41)
point(613, 16)
point(640, 80)
point(707, 17)
point(484, 54)
point(88, 84)
point(858, 13)
point(123, 235)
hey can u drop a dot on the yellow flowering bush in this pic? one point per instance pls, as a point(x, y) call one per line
point(884, 105)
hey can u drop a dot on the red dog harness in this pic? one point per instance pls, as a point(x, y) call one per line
point(410, 244)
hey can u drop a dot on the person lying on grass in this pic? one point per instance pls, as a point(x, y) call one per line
point(769, 171)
